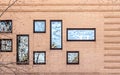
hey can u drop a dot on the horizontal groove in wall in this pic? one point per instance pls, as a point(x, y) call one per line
point(111, 54)
point(111, 35)
point(112, 23)
point(69, 10)
point(111, 67)
point(111, 29)
point(53, 73)
point(111, 48)
point(112, 16)
point(58, 4)
point(112, 61)
point(112, 42)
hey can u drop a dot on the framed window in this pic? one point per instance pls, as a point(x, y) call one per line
point(39, 26)
point(5, 45)
point(72, 57)
point(56, 34)
point(22, 49)
point(81, 34)
point(5, 26)
point(39, 57)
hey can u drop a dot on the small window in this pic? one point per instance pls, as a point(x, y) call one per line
point(6, 45)
point(72, 57)
point(5, 26)
point(39, 57)
point(39, 26)
point(81, 34)
point(56, 34)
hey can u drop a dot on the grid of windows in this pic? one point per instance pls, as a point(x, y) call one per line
point(39, 26)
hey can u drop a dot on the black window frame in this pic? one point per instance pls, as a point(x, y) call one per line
point(51, 35)
point(11, 26)
point(67, 58)
point(34, 57)
point(6, 50)
point(17, 59)
point(81, 29)
point(34, 26)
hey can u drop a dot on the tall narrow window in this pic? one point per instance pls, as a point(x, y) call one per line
point(22, 49)
point(5, 26)
point(55, 34)
point(5, 45)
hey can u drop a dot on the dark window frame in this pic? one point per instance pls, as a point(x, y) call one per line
point(67, 57)
point(34, 57)
point(11, 45)
point(51, 35)
point(17, 59)
point(81, 29)
point(11, 26)
point(34, 26)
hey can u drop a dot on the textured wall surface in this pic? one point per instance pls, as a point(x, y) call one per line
point(100, 57)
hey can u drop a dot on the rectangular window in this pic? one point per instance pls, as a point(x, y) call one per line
point(39, 26)
point(72, 57)
point(22, 49)
point(56, 34)
point(81, 34)
point(5, 45)
point(39, 57)
point(5, 26)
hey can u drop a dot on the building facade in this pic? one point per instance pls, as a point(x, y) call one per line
point(60, 37)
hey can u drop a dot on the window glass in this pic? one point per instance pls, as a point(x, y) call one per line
point(22, 49)
point(39, 26)
point(6, 26)
point(81, 34)
point(6, 45)
point(56, 35)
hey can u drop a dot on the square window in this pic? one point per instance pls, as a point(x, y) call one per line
point(81, 34)
point(5, 26)
point(6, 45)
point(39, 57)
point(72, 57)
point(39, 26)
